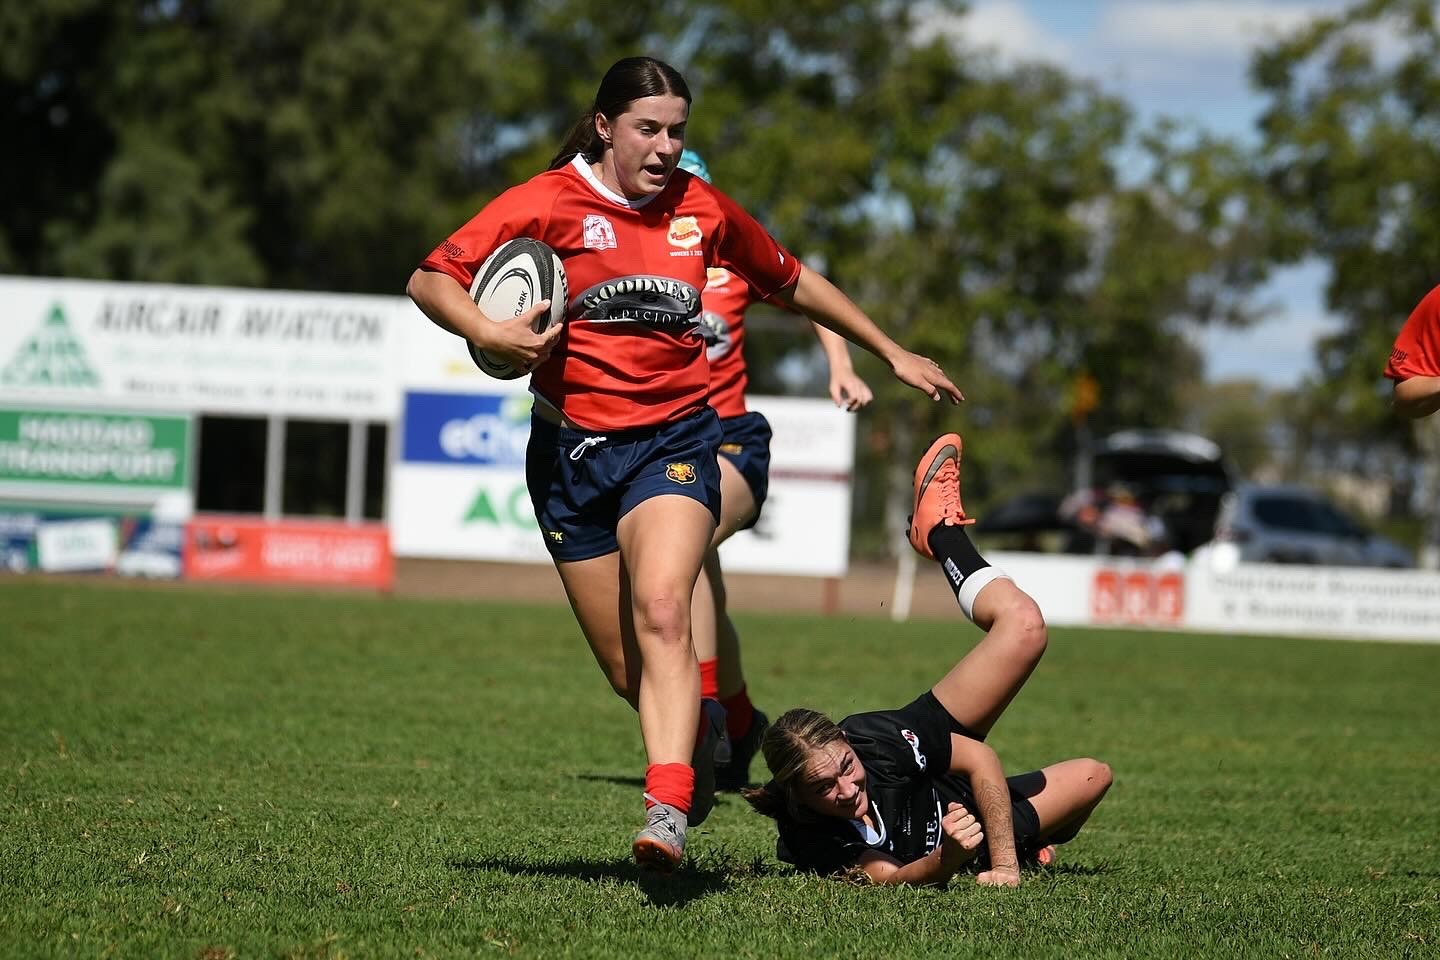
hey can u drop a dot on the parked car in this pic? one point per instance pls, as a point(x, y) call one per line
point(1284, 524)
point(1175, 479)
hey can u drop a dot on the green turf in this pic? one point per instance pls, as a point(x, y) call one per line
point(193, 774)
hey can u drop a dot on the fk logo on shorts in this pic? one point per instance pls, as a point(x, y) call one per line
point(681, 472)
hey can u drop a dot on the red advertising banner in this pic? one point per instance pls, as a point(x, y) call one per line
point(1137, 596)
point(289, 551)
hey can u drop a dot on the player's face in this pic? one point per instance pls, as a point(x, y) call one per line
point(834, 783)
point(645, 145)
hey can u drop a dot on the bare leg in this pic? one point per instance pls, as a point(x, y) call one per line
point(599, 592)
point(715, 636)
point(1064, 795)
point(979, 688)
point(662, 544)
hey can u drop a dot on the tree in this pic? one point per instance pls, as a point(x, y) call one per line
point(1351, 153)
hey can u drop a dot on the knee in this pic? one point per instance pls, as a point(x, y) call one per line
point(1027, 626)
point(1098, 776)
point(663, 617)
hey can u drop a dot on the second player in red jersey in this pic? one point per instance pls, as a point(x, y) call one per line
point(1415, 360)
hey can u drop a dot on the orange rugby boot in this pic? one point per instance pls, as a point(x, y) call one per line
point(937, 492)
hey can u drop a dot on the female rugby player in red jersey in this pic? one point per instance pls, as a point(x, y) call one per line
point(744, 483)
point(1414, 363)
point(621, 465)
point(914, 795)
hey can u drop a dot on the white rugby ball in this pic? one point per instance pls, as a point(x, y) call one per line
point(520, 273)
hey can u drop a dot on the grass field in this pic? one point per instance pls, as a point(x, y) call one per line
point(215, 775)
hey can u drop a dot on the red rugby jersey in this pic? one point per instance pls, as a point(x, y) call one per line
point(631, 354)
point(1417, 348)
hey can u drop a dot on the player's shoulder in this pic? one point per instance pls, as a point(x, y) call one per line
point(1429, 304)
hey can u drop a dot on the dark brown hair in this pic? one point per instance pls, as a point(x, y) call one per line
point(789, 746)
point(628, 80)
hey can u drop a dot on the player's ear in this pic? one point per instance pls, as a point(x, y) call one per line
point(602, 128)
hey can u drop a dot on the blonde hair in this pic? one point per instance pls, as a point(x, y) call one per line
point(790, 745)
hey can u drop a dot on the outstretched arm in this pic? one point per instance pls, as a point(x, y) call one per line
point(1417, 397)
point(981, 765)
point(826, 305)
point(846, 388)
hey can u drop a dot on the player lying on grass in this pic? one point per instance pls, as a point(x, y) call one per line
point(915, 795)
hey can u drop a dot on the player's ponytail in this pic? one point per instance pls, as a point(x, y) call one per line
point(626, 81)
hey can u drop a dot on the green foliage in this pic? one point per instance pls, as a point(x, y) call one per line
point(1351, 153)
point(978, 212)
point(204, 774)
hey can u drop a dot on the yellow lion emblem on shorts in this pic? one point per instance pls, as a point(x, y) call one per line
point(681, 472)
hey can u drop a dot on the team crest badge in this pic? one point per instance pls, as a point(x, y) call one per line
point(681, 472)
point(599, 233)
point(684, 232)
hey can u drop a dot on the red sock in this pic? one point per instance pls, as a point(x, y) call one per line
point(670, 783)
point(739, 713)
point(710, 678)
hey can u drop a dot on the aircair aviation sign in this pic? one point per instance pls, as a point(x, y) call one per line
point(150, 346)
point(60, 452)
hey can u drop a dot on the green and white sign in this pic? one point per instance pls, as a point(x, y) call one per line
point(70, 448)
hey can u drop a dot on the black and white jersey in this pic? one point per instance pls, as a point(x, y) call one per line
point(906, 756)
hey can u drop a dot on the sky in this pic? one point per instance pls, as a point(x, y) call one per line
point(1185, 59)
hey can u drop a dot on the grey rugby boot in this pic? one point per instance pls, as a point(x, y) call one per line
point(660, 845)
point(735, 775)
point(713, 748)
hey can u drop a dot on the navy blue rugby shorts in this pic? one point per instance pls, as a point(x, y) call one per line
point(581, 483)
point(746, 444)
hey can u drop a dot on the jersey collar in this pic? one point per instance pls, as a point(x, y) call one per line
point(584, 170)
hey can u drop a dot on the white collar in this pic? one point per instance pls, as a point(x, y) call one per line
point(867, 832)
point(580, 164)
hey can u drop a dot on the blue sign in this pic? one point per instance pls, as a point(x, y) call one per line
point(487, 429)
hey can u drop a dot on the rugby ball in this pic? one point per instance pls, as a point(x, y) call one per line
point(513, 279)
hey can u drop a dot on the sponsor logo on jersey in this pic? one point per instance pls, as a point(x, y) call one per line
point(684, 232)
point(716, 334)
point(653, 301)
point(681, 472)
point(1398, 356)
point(914, 742)
point(717, 278)
point(735, 448)
point(555, 535)
point(450, 250)
point(599, 233)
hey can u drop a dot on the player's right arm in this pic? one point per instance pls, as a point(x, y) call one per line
point(960, 836)
point(1417, 397)
point(440, 285)
point(441, 298)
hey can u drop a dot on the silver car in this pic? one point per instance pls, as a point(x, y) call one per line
point(1282, 524)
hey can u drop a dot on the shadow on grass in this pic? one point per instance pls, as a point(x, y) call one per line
point(691, 882)
point(615, 779)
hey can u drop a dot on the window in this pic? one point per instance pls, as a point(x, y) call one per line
point(316, 456)
point(376, 435)
point(231, 472)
